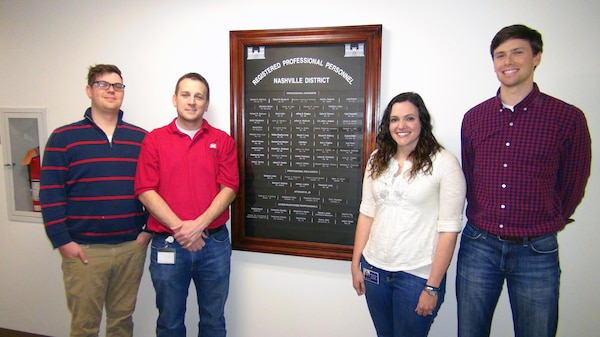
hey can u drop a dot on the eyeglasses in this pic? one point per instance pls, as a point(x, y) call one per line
point(103, 85)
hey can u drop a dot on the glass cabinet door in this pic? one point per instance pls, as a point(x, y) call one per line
point(23, 130)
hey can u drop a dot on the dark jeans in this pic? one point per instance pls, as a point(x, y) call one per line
point(209, 268)
point(532, 273)
point(393, 301)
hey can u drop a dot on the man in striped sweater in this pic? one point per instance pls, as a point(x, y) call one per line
point(90, 212)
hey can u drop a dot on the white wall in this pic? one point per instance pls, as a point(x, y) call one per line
point(437, 48)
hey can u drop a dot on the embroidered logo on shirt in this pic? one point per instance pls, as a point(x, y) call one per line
point(213, 146)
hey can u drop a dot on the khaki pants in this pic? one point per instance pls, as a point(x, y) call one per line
point(111, 277)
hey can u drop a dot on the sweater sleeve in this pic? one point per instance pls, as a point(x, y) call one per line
point(368, 204)
point(452, 193)
point(53, 196)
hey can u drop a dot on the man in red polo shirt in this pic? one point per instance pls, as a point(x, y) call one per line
point(187, 176)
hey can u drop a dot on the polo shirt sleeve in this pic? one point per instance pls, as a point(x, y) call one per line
point(147, 175)
point(228, 174)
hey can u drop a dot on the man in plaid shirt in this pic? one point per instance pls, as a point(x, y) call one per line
point(526, 158)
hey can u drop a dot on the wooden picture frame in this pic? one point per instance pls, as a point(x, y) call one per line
point(303, 111)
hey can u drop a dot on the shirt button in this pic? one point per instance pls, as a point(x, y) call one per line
point(510, 124)
point(503, 206)
point(505, 165)
point(524, 109)
point(507, 144)
point(503, 185)
point(501, 226)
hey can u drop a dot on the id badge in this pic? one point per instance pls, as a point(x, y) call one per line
point(371, 276)
point(165, 256)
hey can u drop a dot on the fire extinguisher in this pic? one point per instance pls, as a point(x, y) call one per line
point(32, 160)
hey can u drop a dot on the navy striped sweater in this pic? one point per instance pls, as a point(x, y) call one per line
point(87, 184)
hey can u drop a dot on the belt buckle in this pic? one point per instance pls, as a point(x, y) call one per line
point(516, 239)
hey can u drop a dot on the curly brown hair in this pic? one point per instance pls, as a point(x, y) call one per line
point(427, 145)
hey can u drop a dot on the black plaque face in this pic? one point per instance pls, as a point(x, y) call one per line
point(301, 127)
point(304, 117)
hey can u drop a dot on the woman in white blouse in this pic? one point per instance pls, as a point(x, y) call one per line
point(410, 216)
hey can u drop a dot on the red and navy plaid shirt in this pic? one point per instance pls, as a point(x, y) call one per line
point(526, 170)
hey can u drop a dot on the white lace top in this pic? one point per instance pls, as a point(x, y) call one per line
point(408, 215)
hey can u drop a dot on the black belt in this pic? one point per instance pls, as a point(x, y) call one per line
point(214, 230)
point(518, 239)
point(209, 231)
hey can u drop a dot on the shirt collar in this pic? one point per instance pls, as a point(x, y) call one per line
point(173, 127)
point(88, 116)
point(525, 103)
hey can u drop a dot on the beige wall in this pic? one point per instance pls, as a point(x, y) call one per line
point(437, 48)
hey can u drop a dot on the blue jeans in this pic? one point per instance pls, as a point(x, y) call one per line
point(532, 273)
point(393, 301)
point(209, 268)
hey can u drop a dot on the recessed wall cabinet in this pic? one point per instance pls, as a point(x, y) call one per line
point(22, 135)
